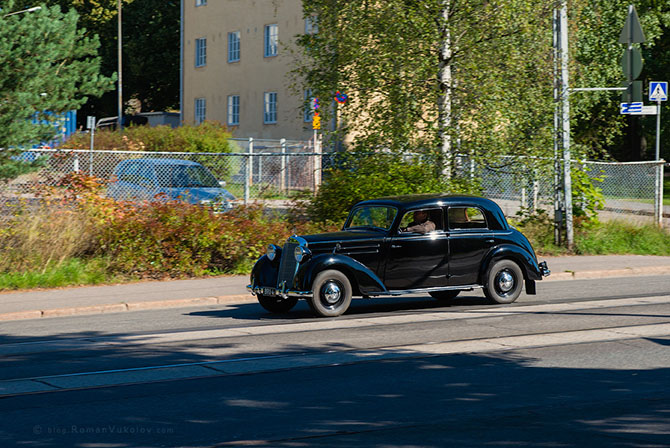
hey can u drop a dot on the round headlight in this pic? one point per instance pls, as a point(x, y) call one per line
point(300, 253)
point(271, 252)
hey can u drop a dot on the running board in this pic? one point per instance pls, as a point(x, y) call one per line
point(423, 290)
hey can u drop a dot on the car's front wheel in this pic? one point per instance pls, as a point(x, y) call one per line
point(332, 294)
point(504, 282)
point(445, 295)
point(276, 304)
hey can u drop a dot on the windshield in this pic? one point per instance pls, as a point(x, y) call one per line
point(371, 216)
point(184, 176)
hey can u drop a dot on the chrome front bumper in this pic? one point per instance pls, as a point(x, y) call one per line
point(269, 291)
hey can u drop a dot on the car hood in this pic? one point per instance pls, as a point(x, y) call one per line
point(344, 236)
point(195, 195)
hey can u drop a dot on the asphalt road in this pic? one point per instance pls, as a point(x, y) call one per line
point(583, 363)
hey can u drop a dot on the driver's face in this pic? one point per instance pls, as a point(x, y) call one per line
point(420, 216)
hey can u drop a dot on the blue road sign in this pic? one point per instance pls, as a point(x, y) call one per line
point(658, 91)
point(631, 108)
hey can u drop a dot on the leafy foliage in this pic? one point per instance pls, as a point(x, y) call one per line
point(206, 137)
point(48, 67)
point(365, 176)
point(150, 50)
point(385, 55)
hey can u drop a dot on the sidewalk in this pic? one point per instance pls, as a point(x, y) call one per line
point(232, 289)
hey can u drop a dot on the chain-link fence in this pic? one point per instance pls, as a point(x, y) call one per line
point(276, 170)
point(629, 189)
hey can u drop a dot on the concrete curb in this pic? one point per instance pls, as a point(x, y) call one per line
point(247, 298)
point(595, 274)
point(124, 307)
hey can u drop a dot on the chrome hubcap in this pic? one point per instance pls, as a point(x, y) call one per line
point(331, 292)
point(505, 281)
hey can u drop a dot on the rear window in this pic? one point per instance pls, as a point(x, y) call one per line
point(466, 218)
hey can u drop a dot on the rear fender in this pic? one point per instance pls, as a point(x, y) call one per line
point(363, 280)
point(525, 260)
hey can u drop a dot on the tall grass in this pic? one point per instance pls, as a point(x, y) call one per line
point(44, 239)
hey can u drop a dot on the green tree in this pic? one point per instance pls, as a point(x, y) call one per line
point(150, 50)
point(389, 55)
point(48, 67)
point(598, 127)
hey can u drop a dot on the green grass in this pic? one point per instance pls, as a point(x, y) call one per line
point(617, 237)
point(71, 272)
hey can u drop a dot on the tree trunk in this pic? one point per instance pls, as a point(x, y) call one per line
point(444, 104)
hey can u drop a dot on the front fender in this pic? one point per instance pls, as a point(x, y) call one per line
point(264, 272)
point(363, 280)
point(525, 260)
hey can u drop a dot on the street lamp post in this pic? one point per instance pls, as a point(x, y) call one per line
point(33, 9)
point(120, 84)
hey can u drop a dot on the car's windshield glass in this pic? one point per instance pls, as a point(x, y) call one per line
point(184, 176)
point(371, 216)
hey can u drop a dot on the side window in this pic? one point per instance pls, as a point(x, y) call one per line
point(466, 218)
point(422, 221)
point(128, 173)
point(146, 175)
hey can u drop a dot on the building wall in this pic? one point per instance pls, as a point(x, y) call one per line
point(253, 75)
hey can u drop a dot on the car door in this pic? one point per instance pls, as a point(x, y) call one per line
point(416, 261)
point(469, 240)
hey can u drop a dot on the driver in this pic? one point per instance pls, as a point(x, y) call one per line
point(421, 223)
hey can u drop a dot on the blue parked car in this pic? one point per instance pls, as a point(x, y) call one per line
point(168, 179)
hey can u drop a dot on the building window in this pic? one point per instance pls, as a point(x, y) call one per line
point(308, 106)
point(271, 40)
point(200, 2)
point(200, 110)
point(233, 110)
point(234, 46)
point(270, 107)
point(311, 25)
point(201, 52)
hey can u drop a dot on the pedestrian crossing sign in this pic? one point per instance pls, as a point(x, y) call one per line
point(658, 91)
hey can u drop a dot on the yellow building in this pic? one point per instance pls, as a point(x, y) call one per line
point(235, 60)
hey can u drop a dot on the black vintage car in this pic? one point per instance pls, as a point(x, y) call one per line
point(435, 244)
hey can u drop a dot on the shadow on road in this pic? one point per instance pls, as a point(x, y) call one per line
point(510, 399)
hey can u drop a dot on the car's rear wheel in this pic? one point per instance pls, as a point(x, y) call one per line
point(445, 295)
point(504, 282)
point(276, 304)
point(332, 294)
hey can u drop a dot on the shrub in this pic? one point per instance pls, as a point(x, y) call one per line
point(210, 137)
point(367, 176)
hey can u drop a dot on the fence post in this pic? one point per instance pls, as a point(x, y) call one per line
point(658, 195)
point(75, 167)
point(249, 171)
point(318, 162)
point(282, 169)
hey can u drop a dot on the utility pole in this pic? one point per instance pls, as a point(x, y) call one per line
point(562, 123)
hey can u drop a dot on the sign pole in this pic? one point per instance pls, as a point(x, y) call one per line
point(90, 124)
point(658, 210)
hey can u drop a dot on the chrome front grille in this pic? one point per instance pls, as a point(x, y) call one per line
point(287, 266)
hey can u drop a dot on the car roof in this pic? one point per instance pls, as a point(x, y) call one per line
point(164, 161)
point(409, 202)
point(430, 199)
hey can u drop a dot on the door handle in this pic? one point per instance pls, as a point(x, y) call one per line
point(396, 246)
point(489, 241)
